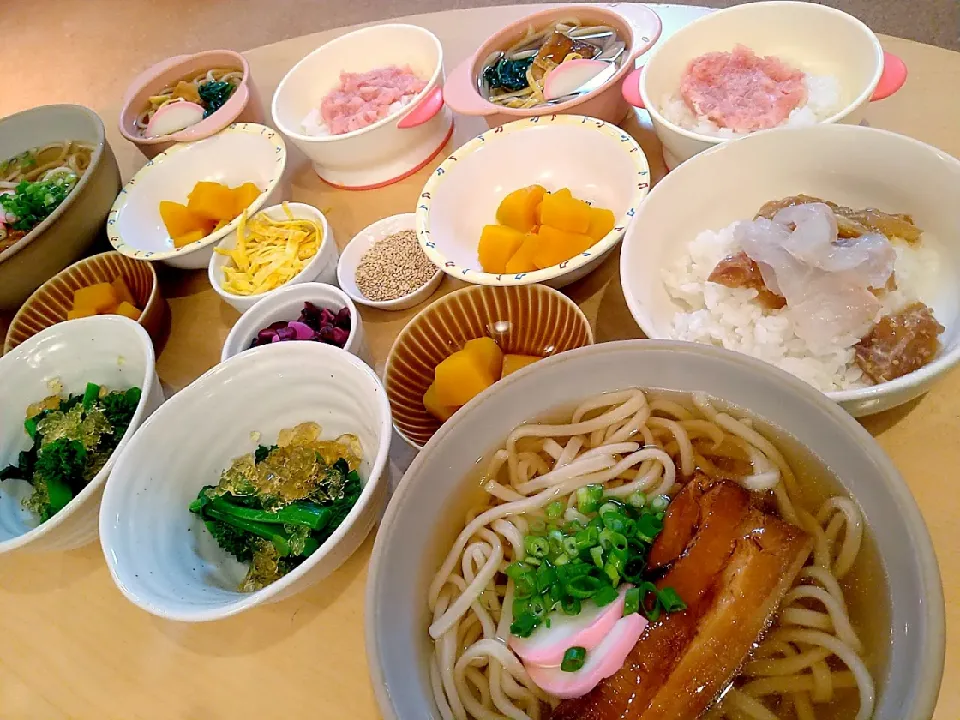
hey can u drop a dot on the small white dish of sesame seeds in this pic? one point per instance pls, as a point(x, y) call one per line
point(383, 266)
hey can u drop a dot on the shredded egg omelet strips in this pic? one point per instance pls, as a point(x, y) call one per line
point(269, 252)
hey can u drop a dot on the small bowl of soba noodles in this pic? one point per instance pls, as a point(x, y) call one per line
point(58, 178)
point(187, 98)
point(654, 529)
point(569, 59)
point(759, 66)
point(829, 251)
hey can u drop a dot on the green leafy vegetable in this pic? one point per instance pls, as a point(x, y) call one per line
point(213, 95)
point(80, 442)
point(509, 75)
point(275, 537)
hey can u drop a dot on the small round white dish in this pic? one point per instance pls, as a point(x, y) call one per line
point(391, 148)
point(812, 37)
point(242, 152)
point(109, 350)
point(598, 162)
point(363, 241)
point(286, 304)
point(322, 267)
point(847, 164)
point(160, 554)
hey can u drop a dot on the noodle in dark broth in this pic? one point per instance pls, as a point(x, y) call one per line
point(813, 662)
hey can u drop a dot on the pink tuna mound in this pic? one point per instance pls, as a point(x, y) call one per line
point(364, 98)
point(742, 91)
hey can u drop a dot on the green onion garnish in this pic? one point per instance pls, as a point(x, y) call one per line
point(573, 659)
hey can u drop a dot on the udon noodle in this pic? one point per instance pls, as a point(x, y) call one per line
point(631, 443)
point(45, 163)
point(187, 89)
point(58, 165)
point(591, 42)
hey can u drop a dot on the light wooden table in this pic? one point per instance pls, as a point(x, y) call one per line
point(72, 647)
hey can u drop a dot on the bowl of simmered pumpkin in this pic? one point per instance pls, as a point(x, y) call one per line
point(464, 342)
point(549, 198)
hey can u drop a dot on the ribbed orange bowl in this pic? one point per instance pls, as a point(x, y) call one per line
point(50, 302)
point(524, 319)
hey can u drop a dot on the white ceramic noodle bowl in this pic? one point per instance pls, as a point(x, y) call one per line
point(598, 162)
point(243, 152)
point(159, 554)
point(108, 350)
point(322, 267)
point(850, 165)
point(385, 151)
point(286, 304)
point(815, 38)
point(419, 527)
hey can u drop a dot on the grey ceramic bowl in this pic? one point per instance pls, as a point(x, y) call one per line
point(67, 234)
point(409, 550)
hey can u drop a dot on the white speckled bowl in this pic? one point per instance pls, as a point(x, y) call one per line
point(159, 554)
point(598, 162)
point(848, 164)
point(363, 241)
point(242, 152)
point(417, 529)
point(109, 350)
point(322, 267)
point(286, 304)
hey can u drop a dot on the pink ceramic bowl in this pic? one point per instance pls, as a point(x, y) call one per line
point(243, 105)
point(606, 103)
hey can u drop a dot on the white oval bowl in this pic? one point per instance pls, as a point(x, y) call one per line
point(322, 267)
point(850, 165)
point(417, 527)
point(358, 246)
point(158, 552)
point(599, 162)
point(242, 152)
point(286, 304)
point(109, 350)
point(385, 151)
point(814, 38)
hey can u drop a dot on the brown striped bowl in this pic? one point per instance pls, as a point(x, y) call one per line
point(525, 319)
point(50, 303)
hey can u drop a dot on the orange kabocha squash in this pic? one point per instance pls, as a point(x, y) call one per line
point(518, 210)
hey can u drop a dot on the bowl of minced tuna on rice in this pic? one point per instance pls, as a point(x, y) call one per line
point(829, 251)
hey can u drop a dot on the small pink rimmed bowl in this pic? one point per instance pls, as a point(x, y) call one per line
point(639, 32)
point(816, 39)
point(243, 105)
point(390, 149)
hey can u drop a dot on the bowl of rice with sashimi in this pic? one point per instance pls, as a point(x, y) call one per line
point(837, 262)
point(761, 66)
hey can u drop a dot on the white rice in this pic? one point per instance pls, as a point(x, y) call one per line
point(733, 318)
point(823, 100)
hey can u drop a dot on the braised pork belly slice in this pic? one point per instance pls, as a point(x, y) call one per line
point(734, 571)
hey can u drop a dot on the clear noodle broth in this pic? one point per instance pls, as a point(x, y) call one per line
point(484, 672)
point(34, 183)
point(515, 77)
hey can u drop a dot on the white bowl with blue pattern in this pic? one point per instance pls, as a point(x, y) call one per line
point(597, 161)
point(240, 153)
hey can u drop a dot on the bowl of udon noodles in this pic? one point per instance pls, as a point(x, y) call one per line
point(569, 59)
point(58, 179)
point(187, 98)
point(651, 529)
